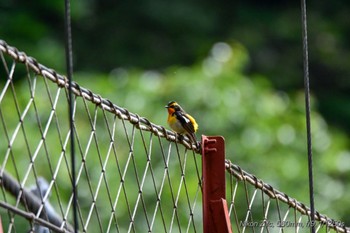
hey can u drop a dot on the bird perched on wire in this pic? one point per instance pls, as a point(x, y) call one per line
point(181, 122)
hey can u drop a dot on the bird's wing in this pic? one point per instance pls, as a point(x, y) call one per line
point(185, 122)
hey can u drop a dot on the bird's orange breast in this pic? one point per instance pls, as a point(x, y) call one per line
point(171, 111)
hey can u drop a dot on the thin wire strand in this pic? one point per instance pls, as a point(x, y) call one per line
point(69, 65)
point(307, 114)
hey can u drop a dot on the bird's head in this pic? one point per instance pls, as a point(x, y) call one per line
point(173, 106)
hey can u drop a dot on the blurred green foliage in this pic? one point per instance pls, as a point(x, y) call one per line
point(153, 34)
point(143, 54)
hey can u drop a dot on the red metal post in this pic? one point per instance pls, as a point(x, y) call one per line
point(215, 213)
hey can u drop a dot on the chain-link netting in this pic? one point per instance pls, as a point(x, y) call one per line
point(132, 175)
point(256, 206)
point(128, 180)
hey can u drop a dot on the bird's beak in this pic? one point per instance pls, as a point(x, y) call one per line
point(166, 106)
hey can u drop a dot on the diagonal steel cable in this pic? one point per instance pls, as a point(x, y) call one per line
point(192, 209)
point(83, 168)
point(182, 166)
point(158, 205)
point(111, 149)
point(233, 194)
point(139, 183)
point(54, 169)
point(94, 194)
point(148, 153)
point(265, 211)
point(113, 216)
point(122, 187)
point(250, 201)
point(9, 153)
point(166, 178)
point(43, 133)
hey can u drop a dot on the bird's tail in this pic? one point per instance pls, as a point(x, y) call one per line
point(193, 138)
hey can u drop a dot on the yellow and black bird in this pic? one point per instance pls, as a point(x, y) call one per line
point(181, 122)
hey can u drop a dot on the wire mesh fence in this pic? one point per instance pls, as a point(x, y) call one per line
point(128, 180)
point(256, 206)
point(132, 175)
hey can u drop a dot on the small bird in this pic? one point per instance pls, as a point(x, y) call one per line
point(181, 122)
